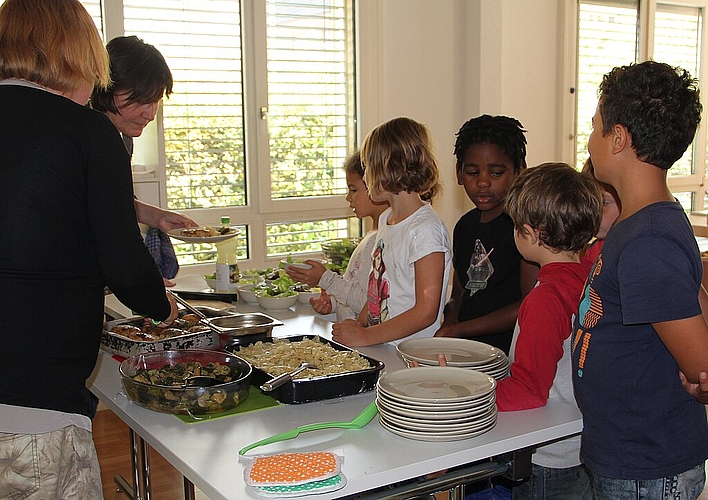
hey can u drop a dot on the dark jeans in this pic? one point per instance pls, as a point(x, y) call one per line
point(573, 483)
point(485, 490)
point(685, 486)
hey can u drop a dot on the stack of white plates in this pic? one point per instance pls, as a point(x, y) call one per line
point(461, 353)
point(437, 403)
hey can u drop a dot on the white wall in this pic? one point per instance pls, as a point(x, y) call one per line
point(442, 62)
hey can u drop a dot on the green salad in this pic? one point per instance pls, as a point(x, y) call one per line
point(281, 287)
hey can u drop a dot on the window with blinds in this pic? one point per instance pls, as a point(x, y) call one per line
point(309, 108)
point(607, 37)
point(203, 118)
point(265, 89)
point(609, 34)
point(309, 105)
point(93, 8)
point(677, 32)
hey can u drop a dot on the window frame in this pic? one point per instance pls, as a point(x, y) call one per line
point(695, 182)
point(260, 209)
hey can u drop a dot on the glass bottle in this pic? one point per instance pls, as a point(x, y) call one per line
point(226, 261)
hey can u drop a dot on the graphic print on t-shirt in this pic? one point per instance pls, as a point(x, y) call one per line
point(480, 270)
point(378, 290)
point(589, 313)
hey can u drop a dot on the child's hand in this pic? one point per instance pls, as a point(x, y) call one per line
point(442, 361)
point(322, 304)
point(350, 333)
point(699, 390)
point(309, 276)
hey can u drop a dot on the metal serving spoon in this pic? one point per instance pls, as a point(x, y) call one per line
point(276, 382)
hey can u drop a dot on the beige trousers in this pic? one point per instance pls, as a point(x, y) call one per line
point(56, 465)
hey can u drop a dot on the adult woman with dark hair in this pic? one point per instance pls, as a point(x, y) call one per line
point(140, 78)
point(69, 229)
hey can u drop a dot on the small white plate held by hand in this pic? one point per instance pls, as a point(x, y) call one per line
point(300, 264)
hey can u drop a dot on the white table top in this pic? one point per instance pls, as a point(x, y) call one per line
point(206, 453)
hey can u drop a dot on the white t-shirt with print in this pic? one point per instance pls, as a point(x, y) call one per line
point(398, 247)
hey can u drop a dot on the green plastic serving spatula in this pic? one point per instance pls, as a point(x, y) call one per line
point(366, 416)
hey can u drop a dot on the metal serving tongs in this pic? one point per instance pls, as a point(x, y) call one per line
point(366, 416)
point(202, 317)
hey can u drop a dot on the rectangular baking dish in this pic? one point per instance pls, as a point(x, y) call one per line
point(318, 388)
point(125, 347)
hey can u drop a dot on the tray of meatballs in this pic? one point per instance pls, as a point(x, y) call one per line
point(137, 335)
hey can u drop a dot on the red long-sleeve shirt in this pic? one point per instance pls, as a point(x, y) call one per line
point(545, 321)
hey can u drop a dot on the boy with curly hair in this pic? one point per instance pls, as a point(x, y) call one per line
point(639, 327)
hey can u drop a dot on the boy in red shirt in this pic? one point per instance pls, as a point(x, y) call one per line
point(556, 210)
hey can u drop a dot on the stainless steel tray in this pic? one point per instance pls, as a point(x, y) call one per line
point(243, 329)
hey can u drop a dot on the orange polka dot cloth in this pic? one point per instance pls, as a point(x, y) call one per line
point(295, 474)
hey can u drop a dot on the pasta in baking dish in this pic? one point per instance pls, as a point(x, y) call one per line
point(282, 356)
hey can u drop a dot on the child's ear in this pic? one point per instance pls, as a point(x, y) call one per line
point(620, 138)
point(458, 171)
point(531, 233)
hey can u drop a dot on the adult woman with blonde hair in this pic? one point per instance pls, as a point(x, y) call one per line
point(69, 229)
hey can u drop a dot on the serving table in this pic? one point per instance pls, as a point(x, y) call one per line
point(206, 453)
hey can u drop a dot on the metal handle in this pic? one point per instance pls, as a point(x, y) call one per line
point(276, 382)
point(202, 317)
point(187, 305)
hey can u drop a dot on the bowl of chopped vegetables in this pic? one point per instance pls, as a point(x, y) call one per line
point(277, 303)
point(305, 293)
point(338, 252)
point(247, 293)
point(163, 381)
point(278, 294)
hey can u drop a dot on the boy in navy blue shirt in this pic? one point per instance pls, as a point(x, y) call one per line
point(639, 324)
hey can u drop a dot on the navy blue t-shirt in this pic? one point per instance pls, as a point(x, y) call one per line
point(639, 422)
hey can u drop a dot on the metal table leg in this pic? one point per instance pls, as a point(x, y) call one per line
point(145, 454)
point(139, 456)
point(189, 493)
point(134, 490)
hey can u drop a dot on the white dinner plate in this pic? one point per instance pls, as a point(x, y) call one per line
point(441, 404)
point(482, 400)
point(501, 360)
point(431, 436)
point(484, 421)
point(458, 352)
point(498, 370)
point(437, 384)
point(177, 234)
point(141, 170)
point(386, 406)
